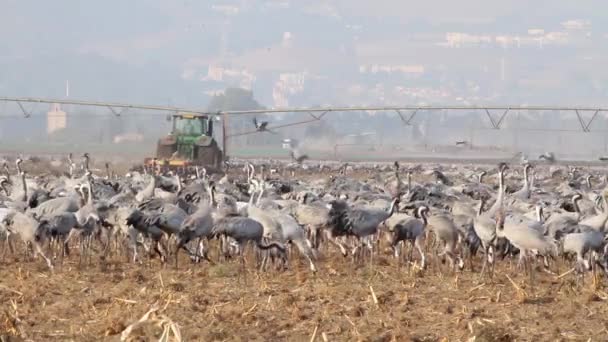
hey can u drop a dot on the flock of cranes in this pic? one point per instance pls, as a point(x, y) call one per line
point(452, 214)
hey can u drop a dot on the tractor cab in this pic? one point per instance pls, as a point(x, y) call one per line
point(191, 125)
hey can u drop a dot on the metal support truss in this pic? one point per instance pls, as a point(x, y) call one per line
point(407, 121)
point(317, 114)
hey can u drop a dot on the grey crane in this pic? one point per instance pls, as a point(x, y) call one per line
point(360, 223)
point(548, 156)
point(293, 233)
point(122, 229)
point(197, 226)
point(148, 225)
point(581, 243)
point(502, 167)
point(169, 196)
point(526, 238)
point(598, 222)
point(4, 230)
point(262, 126)
point(272, 229)
point(71, 203)
point(524, 193)
point(268, 218)
point(312, 217)
point(395, 187)
point(60, 226)
point(244, 230)
point(170, 218)
point(411, 229)
point(445, 231)
point(484, 226)
point(297, 156)
point(20, 201)
point(30, 231)
point(87, 217)
point(563, 223)
point(148, 191)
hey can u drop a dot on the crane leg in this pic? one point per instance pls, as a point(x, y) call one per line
point(485, 261)
point(38, 250)
point(419, 241)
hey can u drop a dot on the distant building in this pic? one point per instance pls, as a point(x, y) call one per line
point(56, 119)
point(536, 32)
point(128, 137)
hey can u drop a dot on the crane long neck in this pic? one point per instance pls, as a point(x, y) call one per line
point(480, 210)
point(24, 185)
point(211, 197)
point(252, 196)
point(179, 183)
point(393, 207)
point(152, 184)
point(90, 188)
point(252, 171)
point(501, 187)
point(423, 217)
point(577, 209)
point(260, 196)
point(539, 214)
point(3, 188)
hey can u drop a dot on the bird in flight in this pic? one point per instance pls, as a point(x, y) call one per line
point(262, 126)
point(297, 157)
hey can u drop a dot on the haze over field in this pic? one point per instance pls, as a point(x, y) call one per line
point(309, 53)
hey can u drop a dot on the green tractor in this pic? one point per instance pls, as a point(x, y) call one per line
point(190, 143)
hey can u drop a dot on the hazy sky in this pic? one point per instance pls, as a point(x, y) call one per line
point(127, 49)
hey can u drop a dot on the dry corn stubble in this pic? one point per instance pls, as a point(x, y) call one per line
point(341, 302)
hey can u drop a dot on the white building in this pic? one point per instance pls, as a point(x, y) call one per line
point(56, 119)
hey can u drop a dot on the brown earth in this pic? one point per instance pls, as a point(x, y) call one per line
point(220, 303)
